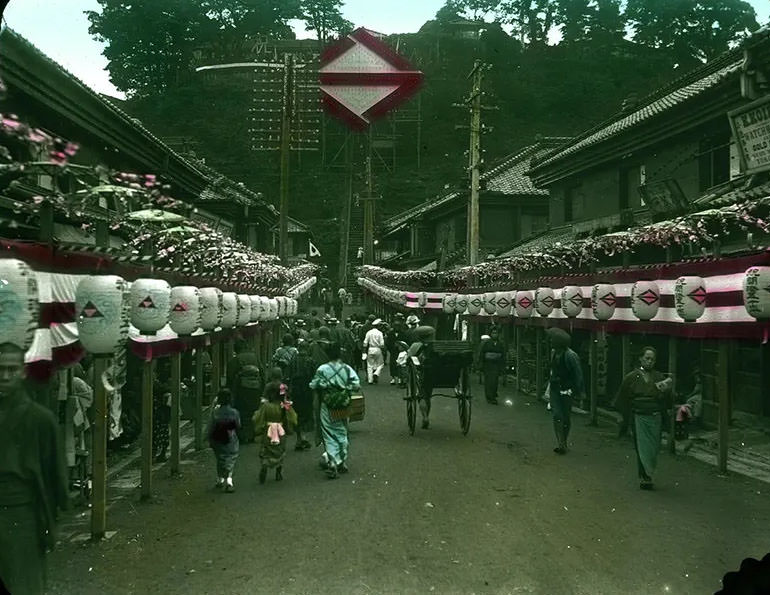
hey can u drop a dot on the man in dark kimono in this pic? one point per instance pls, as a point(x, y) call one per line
point(33, 483)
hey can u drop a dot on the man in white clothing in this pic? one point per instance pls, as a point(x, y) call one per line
point(374, 345)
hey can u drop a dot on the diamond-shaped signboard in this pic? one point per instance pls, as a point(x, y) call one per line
point(362, 79)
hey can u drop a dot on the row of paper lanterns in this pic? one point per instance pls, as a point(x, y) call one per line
point(105, 304)
point(689, 299)
point(302, 288)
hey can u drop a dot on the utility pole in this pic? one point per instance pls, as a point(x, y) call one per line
point(474, 157)
point(369, 205)
point(286, 113)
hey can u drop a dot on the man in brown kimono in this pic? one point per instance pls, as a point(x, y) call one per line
point(32, 480)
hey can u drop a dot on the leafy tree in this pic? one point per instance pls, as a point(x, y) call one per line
point(532, 20)
point(698, 29)
point(597, 21)
point(451, 11)
point(324, 17)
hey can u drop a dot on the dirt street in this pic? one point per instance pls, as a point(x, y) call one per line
point(493, 512)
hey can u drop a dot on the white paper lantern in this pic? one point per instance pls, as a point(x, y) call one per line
point(229, 309)
point(101, 313)
point(150, 305)
point(503, 303)
point(545, 300)
point(211, 308)
point(756, 292)
point(294, 308)
point(19, 307)
point(254, 300)
point(244, 310)
point(475, 304)
point(690, 298)
point(572, 301)
point(490, 303)
point(525, 303)
point(185, 315)
point(448, 303)
point(422, 299)
point(402, 298)
point(272, 309)
point(645, 299)
point(603, 301)
point(264, 308)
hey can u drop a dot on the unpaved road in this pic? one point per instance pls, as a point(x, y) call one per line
point(493, 512)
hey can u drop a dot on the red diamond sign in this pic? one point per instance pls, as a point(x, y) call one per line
point(362, 79)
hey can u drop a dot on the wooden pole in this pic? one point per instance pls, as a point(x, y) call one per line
point(286, 113)
point(475, 162)
point(369, 206)
point(518, 358)
point(724, 403)
point(198, 399)
point(176, 387)
point(147, 398)
point(594, 377)
point(626, 355)
point(216, 367)
point(99, 458)
point(538, 363)
point(672, 356)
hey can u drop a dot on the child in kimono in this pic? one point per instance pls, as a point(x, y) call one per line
point(223, 439)
point(274, 419)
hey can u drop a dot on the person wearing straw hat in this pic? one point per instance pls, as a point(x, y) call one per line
point(374, 345)
point(566, 383)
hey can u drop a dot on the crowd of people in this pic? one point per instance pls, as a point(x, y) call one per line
point(305, 390)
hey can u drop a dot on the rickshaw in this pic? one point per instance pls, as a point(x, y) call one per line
point(439, 365)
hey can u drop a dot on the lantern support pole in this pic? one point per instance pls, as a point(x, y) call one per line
point(147, 397)
point(517, 328)
point(626, 353)
point(672, 357)
point(176, 384)
point(724, 405)
point(594, 380)
point(538, 363)
point(99, 459)
point(198, 399)
point(216, 367)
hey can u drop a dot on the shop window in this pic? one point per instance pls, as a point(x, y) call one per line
point(713, 162)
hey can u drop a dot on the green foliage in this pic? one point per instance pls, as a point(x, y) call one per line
point(698, 29)
point(325, 18)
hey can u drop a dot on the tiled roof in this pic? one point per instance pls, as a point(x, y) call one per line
point(679, 92)
point(507, 177)
point(551, 236)
point(730, 193)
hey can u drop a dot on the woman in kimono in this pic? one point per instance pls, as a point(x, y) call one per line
point(223, 438)
point(301, 372)
point(642, 398)
point(274, 419)
point(330, 379)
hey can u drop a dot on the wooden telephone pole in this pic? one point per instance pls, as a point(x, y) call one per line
point(286, 113)
point(369, 205)
point(475, 160)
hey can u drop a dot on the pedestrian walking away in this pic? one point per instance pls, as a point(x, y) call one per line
point(284, 355)
point(223, 438)
point(246, 381)
point(33, 486)
point(374, 347)
point(301, 373)
point(566, 383)
point(492, 363)
point(643, 397)
point(273, 421)
point(334, 383)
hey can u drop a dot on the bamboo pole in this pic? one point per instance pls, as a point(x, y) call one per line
point(518, 358)
point(538, 363)
point(724, 404)
point(672, 356)
point(147, 398)
point(594, 380)
point(176, 385)
point(99, 455)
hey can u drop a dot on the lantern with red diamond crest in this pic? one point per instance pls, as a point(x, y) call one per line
point(690, 297)
point(524, 303)
point(645, 299)
point(603, 301)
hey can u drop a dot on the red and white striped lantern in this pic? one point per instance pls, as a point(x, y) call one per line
point(690, 297)
point(525, 303)
point(604, 299)
point(756, 292)
point(101, 311)
point(545, 300)
point(150, 305)
point(211, 308)
point(572, 301)
point(185, 315)
point(645, 299)
point(229, 309)
point(503, 303)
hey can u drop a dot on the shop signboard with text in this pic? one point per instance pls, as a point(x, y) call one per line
point(751, 129)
